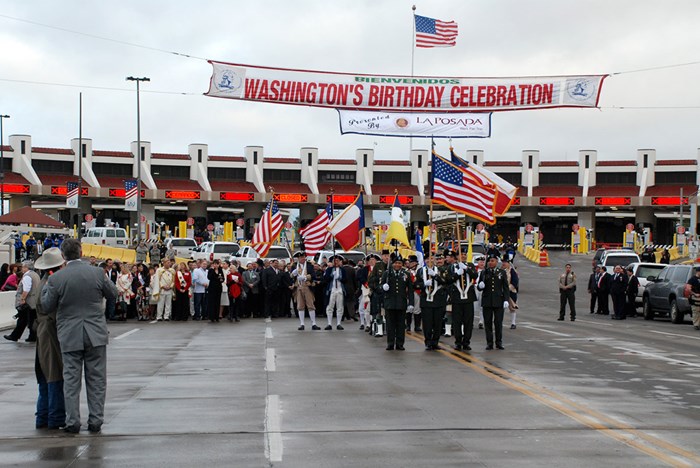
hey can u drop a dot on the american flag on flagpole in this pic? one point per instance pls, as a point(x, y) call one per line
point(130, 195)
point(72, 194)
point(316, 234)
point(268, 229)
point(454, 188)
point(431, 32)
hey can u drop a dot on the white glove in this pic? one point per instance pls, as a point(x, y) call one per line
point(235, 279)
point(432, 272)
point(505, 304)
point(482, 285)
point(294, 273)
point(336, 274)
point(462, 266)
point(385, 287)
point(459, 271)
point(409, 309)
point(428, 282)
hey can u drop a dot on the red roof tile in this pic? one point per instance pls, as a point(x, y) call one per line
point(232, 186)
point(503, 163)
point(558, 163)
point(340, 189)
point(614, 190)
point(113, 154)
point(39, 149)
point(282, 160)
point(177, 184)
point(60, 180)
point(616, 163)
point(170, 156)
point(15, 178)
point(676, 162)
point(6, 148)
point(557, 191)
point(381, 189)
point(227, 158)
point(113, 182)
point(29, 215)
point(288, 187)
point(337, 161)
point(670, 190)
point(389, 162)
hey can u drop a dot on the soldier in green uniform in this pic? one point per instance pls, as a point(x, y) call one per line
point(398, 298)
point(493, 282)
point(432, 282)
point(376, 300)
point(462, 297)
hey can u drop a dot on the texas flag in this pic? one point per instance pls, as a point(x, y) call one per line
point(347, 226)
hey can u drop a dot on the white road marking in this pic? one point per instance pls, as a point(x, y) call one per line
point(124, 335)
point(662, 358)
point(547, 331)
point(273, 427)
point(676, 334)
point(268, 333)
point(268, 320)
point(153, 321)
point(270, 364)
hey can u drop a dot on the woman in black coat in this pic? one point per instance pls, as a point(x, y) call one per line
point(216, 279)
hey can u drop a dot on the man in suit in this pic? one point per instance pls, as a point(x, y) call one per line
point(398, 298)
point(462, 298)
point(271, 281)
point(593, 287)
point(618, 288)
point(631, 293)
point(603, 290)
point(350, 290)
point(493, 284)
point(76, 293)
point(567, 293)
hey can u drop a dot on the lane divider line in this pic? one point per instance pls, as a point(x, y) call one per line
point(273, 429)
point(546, 331)
point(607, 425)
point(125, 334)
point(675, 334)
point(268, 333)
point(270, 364)
point(659, 357)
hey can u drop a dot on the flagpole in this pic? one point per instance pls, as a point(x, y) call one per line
point(80, 160)
point(413, 55)
point(269, 212)
point(332, 211)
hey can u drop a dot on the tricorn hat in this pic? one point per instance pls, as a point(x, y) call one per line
point(301, 253)
point(373, 256)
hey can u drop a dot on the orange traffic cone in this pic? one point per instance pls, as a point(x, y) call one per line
point(544, 258)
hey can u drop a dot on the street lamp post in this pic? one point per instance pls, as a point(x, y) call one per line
point(138, 154)
point(2, 167)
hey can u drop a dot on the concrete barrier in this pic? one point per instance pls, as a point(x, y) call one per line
point(7, 310)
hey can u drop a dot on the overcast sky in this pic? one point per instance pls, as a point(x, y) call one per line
point(497, 38)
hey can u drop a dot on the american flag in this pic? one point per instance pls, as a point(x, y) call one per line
point(72, 194)
point(432, 32)
point(268, 228)
point(130, 194)
point(316, 234)
point(459, 191)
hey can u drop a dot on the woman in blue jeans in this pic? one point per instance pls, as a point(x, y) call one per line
point(50, 406)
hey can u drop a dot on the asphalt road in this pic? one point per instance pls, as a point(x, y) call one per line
point(593, 392)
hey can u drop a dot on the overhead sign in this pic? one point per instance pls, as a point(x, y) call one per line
point(235, 196)
point(557, 201)
point(121, 193)
point(15, 188)
point(342, 199)
point(426, 125)
point(666, 201)
point(400, 93)
point(291, 197)
point(613, 201)
point(182, 194)
point(389, 199)
point(63, 190)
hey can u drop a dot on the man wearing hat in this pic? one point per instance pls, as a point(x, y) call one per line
point(375, 285)
point(431, 281)
point(398, 298)
point(334, 278)
point(302, 274)
point(493, 283)
point(415, 315)
point(462, 298)
point(694, 298)
point(365, 291)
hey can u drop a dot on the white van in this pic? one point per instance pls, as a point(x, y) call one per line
point(214, 250)
point(109, 236)
point(183, 245)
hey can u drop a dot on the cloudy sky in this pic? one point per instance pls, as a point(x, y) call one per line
point(497, 38)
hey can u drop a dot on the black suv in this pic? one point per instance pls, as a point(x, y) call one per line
point(665, 294)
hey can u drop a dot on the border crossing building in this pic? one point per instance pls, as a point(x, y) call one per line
point(645, 189)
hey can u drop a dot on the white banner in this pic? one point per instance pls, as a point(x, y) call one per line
point(463, 125)
point(401, 93)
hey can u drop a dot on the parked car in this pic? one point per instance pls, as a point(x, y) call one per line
point(183, 245)
point(478, 250)
point(643, 272)
point(597, 256)
point(109, 236)
point(611, 258)
point(214, 250)
point(248, 254)
point(354, 255)
point(665, 294)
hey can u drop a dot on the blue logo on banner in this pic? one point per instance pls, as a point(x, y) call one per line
point(229, 81)
point(580, 90)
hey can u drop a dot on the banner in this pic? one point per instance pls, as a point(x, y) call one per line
point(401, 93)
point(72, 193)
point(426, 125)
point(130, 195)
